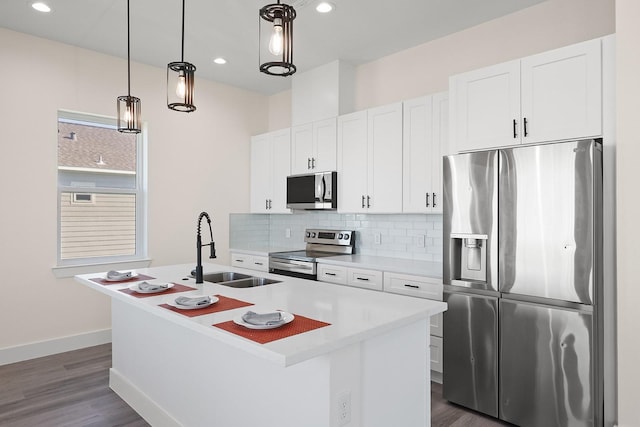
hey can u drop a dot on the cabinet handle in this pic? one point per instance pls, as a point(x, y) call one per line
point(427, 202)
point(266, 203)
point(362, 278)
point(434, 200)
point(308, 163)
point(257, 263)
point(238, 260)
point(412, 286)
point(269, 203)
point(515, 134)
point(525, 127)
point(362, 202)
point(330, 274)
point(368, 202)
point(313, 163)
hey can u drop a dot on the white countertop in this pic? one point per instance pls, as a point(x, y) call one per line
point(396, 265)
point(354, 314)
point(263, 250)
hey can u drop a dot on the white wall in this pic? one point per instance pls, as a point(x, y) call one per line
point(197, 161)
point(628, 209)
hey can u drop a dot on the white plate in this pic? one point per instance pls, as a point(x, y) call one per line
point(135, 287)
point(174, 304)
point(288, 317)
point(133, 276)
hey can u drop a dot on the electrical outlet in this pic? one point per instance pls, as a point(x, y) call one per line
point(287, 233)
point(377, 238)
point(344, 408)
point(421, 239)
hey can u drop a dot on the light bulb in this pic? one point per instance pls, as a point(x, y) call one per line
point(127, 115)
point(276, 43)
point(181, 87)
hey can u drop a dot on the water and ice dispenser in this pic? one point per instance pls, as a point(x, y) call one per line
point(468, 257)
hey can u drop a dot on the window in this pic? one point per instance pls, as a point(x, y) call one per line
point(101, 191)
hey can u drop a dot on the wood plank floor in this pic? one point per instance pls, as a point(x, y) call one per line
point(72, 390)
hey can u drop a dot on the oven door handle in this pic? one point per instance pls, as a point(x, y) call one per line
point(288, 264)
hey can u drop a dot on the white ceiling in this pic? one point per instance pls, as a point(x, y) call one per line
point(357, 31)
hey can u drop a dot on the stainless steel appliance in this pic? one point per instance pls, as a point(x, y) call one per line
point(320, 243)
point(523, 280)
point(313, 191)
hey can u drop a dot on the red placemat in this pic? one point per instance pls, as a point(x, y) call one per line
point(298, 325)
point(224, 303)
point(177, 287)
point(101, 281)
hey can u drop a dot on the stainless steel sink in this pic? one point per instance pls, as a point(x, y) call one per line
point(249, 283)
point(237, 280)
point(224, 276)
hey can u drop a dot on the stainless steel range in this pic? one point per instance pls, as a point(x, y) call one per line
point(320, 243)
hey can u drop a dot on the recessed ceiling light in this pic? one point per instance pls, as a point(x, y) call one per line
point(324, 7)
point(220, 61)
point(41, 6)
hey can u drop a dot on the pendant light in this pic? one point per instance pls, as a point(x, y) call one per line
point(276, 32)
point(180, 81)
point(129, 106)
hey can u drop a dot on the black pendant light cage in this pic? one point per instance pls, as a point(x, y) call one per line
point(181, 81)
point(271, 16)
point(129, 106)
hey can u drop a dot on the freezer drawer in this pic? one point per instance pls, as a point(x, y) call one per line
point(546, 369)
point(470, 348)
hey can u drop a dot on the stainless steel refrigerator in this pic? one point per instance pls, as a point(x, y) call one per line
point(523, 280)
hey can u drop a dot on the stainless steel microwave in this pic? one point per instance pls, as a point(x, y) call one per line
point(313, 191)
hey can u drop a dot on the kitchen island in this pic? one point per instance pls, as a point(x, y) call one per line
point(364, 363)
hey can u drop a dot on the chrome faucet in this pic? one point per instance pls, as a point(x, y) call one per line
point(199, 246)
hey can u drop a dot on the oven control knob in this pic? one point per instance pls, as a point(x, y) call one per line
point(346, 236)
point(339, 236)
point(313, 234)
point(308, 234)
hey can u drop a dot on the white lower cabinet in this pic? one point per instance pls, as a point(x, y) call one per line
point(252, 262)
point(358, 277)
point(421, 287)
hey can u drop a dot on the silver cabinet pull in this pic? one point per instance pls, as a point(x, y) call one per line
point(525, 127)
point(313, 163)
point(308, 163)
point(368, 202)
point(434, 200)
point(427, 202)
point(515, 133)
point(363, 202)
point(258, 263)
point(269, 203)
point(238, 260)
point(266, 203)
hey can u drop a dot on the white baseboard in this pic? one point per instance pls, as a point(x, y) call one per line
point(58, 345)
point(140, 402)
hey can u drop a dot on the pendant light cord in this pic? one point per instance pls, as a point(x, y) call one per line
point(182, 57)
point(128, 53)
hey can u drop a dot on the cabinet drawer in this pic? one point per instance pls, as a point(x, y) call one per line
point(435, 348)
point(415, 286)
point(436, 325)
point(368, 279)
point(252, 262)
point(332, 274)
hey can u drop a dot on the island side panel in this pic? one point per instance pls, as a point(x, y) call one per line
point(181, 376)
point(396, 387)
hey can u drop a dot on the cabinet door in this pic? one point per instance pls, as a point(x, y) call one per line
point(301, 148)
point(485, 104)
point(352, 161)
point(280, 169)
point(439, 148)
point(260, 173)
point(562, 93)
point(417, 141)
point(384, 153)
point(324, 144)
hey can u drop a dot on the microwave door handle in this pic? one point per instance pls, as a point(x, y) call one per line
point(324, 189)
point(319, 189)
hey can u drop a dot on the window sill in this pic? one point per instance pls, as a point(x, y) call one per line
point(71, 270)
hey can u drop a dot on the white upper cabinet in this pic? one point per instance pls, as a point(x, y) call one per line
point(313, 147)
point(370, 160)
point(270, 166)
point(424, 142)
point(551, 96)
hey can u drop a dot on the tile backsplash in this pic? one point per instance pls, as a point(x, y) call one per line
point(409, 236)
